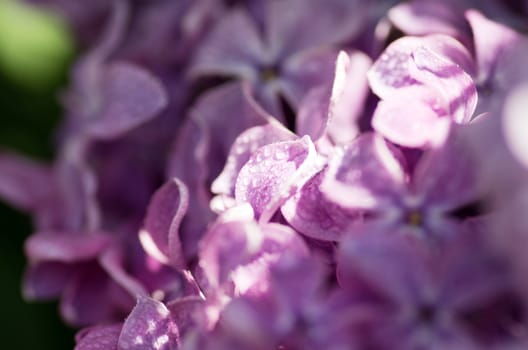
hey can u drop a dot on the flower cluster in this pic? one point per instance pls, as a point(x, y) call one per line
point(286, 174)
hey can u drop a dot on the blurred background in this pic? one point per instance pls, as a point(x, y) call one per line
point(36, 49)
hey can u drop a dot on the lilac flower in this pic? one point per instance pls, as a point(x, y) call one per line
point(290, 56)
point(430, 299)
point(280, 209)
point(109, 99)
point(200, 150)
point(369, 175)
point(293, 314)
point(257, 246)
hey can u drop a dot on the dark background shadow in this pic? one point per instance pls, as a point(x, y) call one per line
point(27, 122)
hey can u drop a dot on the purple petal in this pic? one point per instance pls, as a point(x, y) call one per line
point(242, 149)
point(273, 173)
point(92, 297)
point(130, 97)
point(312, 116)
point(291, 26)
point(364, 173)
point(234, 47)
point(387, 265)
point(188, 162)
point(184, 311)
point(492, 40)
point(395, 67)
point(65, 247)
point(456, 87)
point(237, 249)
point(46, 280)
point(149, 327)
point(515, 124)
point(471, 277)
point(229, 104)
point(304, 71)
point(160, 235)
point(23, 182)
point(349, 94)
point(409, 121)
point(98, 338)
point(429, 17)
point(391, 70)
point(113, 262)
point(77, 190)
point(312, 214)
point(448, 176)
point(202, 147)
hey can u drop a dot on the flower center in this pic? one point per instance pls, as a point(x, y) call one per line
point(269, 73)
point(427, 313)
point(414, 218)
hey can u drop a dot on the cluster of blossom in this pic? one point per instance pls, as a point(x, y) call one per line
point(286, 174)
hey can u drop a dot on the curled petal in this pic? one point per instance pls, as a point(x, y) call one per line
point(239, 250)
point(160, 233)
point(274, 173)
point(349, 93)
point(242, 149)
